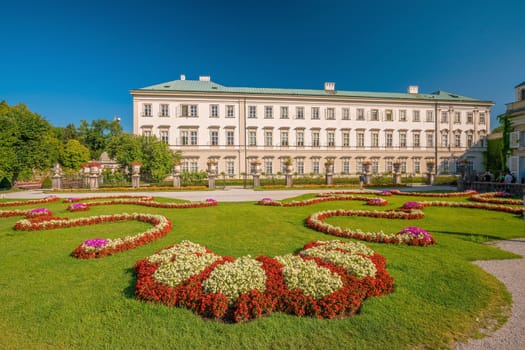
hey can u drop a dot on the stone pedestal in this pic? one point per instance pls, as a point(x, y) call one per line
point(135, 180)
point(329, 174)
point(368, 179)
point(430, 179)
point(93, 182)
point(56, 182)
point(94, 176)
point(289, 176)
point(176, 175)
point(211, 180)
point(256, 180)
point(397, 179)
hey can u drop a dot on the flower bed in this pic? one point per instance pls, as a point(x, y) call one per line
point(379, 202)
point(74, 200)
point(145, 203)
point(316, 222)
point(30, 202)
point(325, 280)
point(306, 202)
point(98, 248)
point(496, 198)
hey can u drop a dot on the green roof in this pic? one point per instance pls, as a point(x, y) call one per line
point(519, 85)
point(212, 87)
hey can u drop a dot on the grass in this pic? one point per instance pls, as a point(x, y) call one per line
point(51, 300)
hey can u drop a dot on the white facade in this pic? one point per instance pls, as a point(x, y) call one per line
point(234, 126)
point(516, 111)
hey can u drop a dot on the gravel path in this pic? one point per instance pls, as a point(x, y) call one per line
point(512, 273)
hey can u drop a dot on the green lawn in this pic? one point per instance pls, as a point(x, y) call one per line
point(51, 300)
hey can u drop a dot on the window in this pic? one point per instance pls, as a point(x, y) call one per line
point(315, 112)
point(268, 112)
point(331, 138)
point(164, 110)
point(346, 113)
point(360, 139)
point(300, 167)
point(299, 138)
point(389, 116)
point(193, 138)
point(457, 140)
point(430, 139)
point(315, 166)
point(402, 139)
point(430, 116)
point(416, 140)
point(360, 114)
point(284, 112)
point(388, 165)
point(330, 113)
point(229, 138)
point(403, 166)
point(268, 138)
point(252, 138)
point(444, 140)
point(284, 137)
point(193, 111)
point(185, 137)
point(164, 136)
point(375, 166)
point(482, 118)
point(374, 139)
point(252, 111)
point(194, 166)
point(415, 116)
point(214, 111)
point(315, 138)
point(214, 136)
point(146, 133)
point(147, 110)
point(417, 166)
point(346, 139)
point(389, 139)
point(230, 167)
point(230, 111)
point(457, 117)
point(470, 117)
point(268, 166)
point(402, 115)
point(470, 140)
point(299, 113)
point(346, 166)
point(374, 114)
point(444, 117)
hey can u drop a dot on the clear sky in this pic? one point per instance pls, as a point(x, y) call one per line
point(72, 60)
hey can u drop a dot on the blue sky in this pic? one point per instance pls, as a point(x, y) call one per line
point(73, 60)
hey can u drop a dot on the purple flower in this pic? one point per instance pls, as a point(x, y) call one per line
point(266, 199)
point(72, 199)
point(413, 205)
point(210, 200)
point(503, 194)
point(416, 232)
point(39, 212)
point(386, 193)
point(96, 242)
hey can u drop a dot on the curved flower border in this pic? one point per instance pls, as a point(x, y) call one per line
point(145, 203)
point(276, 296)
point(89, 250)
point(48, 199)
point(496, 198)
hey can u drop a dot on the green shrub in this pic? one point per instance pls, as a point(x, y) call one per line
point(47, 183)
point(5, 184)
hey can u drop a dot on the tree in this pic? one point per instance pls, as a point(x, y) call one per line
point(97, 135)
point(74, 155)
point(26, 142)
point(156, 157)
point(504, 119)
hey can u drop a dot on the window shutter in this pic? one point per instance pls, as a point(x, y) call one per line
point(514, 139)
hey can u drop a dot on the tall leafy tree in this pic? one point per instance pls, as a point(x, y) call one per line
point(97, 135)
point(74, 154)
point(26, 140)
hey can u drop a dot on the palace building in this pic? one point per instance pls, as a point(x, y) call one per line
point(516, 113)
point(236, 126)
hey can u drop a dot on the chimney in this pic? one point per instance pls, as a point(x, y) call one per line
point(328, 86)
point(183, 77)
point(413, 89)
point(204, 78)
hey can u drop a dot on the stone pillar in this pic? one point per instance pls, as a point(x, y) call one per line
point(289, 175)
point(368, 173)
point(176, 175)
point(94, 173)
point(56, 181)
point(212, 174)
point(256, 174)
point(329, 173)
point(85, 175)
point(430, 173)
point(397, 174)
point(135, 174)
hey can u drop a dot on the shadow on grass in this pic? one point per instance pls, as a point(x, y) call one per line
point(129, 292)
point(474, 237)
